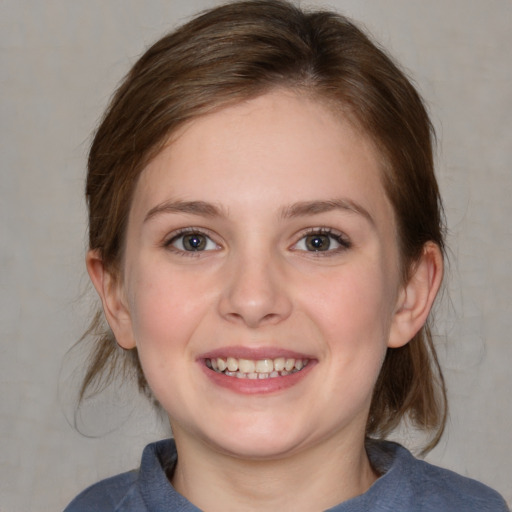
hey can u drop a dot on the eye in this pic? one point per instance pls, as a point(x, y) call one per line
point(322, 240)
point(192, 241)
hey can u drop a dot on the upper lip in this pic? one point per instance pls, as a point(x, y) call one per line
point(253, 353)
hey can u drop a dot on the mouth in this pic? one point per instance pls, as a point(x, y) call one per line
point(256, 369)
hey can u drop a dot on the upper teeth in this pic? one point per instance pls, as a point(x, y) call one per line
point(249, 367)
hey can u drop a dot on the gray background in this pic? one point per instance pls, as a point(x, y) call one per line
point(60, 61)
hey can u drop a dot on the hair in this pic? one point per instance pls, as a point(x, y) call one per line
point(239, 51)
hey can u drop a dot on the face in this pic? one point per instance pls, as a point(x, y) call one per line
point(260, 279)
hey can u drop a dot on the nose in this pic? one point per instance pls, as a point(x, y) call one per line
point(255, 292)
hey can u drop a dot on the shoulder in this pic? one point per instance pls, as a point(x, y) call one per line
point(147, 488)
point(443, 487)
point(429, 488)
point(107, 495)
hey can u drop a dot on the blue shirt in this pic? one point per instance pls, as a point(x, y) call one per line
point(406, 484)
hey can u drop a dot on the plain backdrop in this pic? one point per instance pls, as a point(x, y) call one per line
point(60, 61)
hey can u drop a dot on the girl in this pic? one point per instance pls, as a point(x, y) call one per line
point(266, 239)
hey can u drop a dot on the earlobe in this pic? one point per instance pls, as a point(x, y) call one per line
point(417, 296)
point(112, 297)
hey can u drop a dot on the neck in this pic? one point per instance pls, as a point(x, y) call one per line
point(314, 479)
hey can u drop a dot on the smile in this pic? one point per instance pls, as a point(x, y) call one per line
point(256, 369)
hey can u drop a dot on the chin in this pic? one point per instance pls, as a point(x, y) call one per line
point(257, 442)
point(259, 449)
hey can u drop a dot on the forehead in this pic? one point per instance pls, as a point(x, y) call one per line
point(278, 148)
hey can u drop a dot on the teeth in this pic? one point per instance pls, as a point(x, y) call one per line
point(289, 365)
point(279, 364)
point(246, 366)
point(260, 369)
point(264, 366)
point(232, 364)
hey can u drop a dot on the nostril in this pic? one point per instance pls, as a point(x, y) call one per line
point(253, 295)
point(254, 319)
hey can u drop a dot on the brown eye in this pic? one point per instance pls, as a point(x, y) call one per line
point(193, 242)
point(318, 242)
point(323, 240)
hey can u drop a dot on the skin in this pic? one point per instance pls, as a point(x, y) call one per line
point(253, 181)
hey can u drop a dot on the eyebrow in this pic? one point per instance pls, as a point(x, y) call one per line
point(299, 209)
point(304, 208)
point(201, 208)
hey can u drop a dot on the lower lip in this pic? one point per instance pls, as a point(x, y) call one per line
point(257, 386)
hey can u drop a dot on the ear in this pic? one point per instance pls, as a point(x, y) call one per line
point(416, 297)
point(111, 293)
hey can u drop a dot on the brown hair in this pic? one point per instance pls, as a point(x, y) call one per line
point(239, 51)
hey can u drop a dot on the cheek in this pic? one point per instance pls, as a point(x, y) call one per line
point(353, 312)
point(355, 306)
point(357, 322)
point(165, 310)
point(164, 320)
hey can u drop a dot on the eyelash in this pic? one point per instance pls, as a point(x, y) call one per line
point(340, 239)
point(184, 232)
